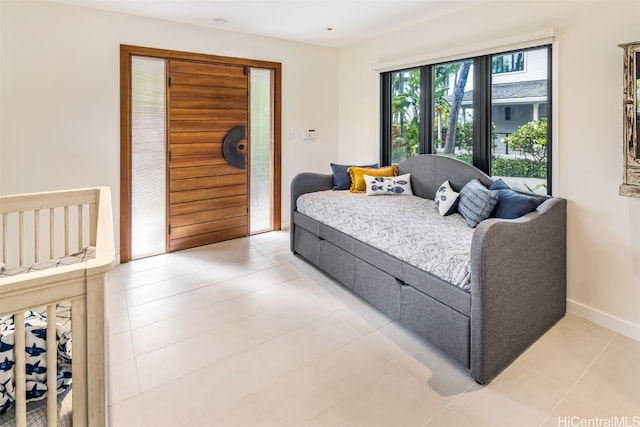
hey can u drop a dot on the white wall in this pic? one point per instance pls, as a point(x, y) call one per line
point(603, 228)
point(59, 93)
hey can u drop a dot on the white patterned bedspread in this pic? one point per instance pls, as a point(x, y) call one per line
point(406, 227)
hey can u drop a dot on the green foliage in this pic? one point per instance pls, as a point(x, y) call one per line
point(531, 140)
point(467, 158)
point(526, 168)
point(441, 76)
point(405, 140)
point(464, 137)
point(405, 112)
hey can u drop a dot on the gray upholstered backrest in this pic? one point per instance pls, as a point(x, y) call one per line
point(429, 171)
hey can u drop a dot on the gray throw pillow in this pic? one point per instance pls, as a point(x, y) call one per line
point(476, 202)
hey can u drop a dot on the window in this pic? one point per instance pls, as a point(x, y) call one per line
point(261, 155)
point(452, 109)
point(507, 63)
point(476, 111)
point(148, 156)
point(405, 114)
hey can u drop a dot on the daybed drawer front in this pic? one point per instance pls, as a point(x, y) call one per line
point(379, 288)
point(337, 263)
point(440, 325)
point(438, 289)
point(383, 261)
point(307, 244)
point(338, 238)
point(307, 223)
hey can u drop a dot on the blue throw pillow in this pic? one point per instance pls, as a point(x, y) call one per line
point(511, 204)
point(499, 184)
point(341, 179)
point(476, 202)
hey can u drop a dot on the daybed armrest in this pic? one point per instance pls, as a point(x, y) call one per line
point(307, 182)
point(518, 285)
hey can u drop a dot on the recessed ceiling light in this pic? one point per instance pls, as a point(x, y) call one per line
point(219, 21)
point(330, 29)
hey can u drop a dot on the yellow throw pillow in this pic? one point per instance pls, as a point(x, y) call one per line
point(358, 184)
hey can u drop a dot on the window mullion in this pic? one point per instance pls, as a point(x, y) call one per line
point(482, 113)
point(385, 119)
point(549, 120)
point(426, 108)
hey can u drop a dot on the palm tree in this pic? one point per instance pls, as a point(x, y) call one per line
point(458, 93)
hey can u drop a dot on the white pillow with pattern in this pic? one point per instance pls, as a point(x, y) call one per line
point(388, 185)
point(446, 199)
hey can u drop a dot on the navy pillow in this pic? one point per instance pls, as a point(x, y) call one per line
point(511, 204)
point(499, 184)
point(341, 179)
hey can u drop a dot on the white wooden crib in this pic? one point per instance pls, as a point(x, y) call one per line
point(47, 226)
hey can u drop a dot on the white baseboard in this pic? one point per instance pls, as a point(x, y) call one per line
point(616, 324)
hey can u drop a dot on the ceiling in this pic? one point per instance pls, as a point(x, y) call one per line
point(305, 21)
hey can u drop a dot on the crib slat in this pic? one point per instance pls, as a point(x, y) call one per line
point(5, 239)
point(52, 367)
point(36, 232)
point(66, 230)
point(51, 233)
point(80, 227)
point(93, 223)
point(79, 365)
point(21, 237)
point(20, 370)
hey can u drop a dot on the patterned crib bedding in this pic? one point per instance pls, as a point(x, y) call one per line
point(36, 349)
point(81, 256)
point(36, 359)
point(406, 227)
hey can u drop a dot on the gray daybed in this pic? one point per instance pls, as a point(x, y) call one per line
point(516, 286)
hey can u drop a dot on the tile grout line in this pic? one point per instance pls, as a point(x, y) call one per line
point(203, 287)
point(211, 306)
point(572, 387)
point(455, 414)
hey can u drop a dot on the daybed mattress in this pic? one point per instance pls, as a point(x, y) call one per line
point(406, 227)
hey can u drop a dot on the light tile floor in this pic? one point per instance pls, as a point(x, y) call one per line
point(243, 333)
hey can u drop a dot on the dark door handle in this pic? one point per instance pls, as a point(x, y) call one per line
point(231, 148)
